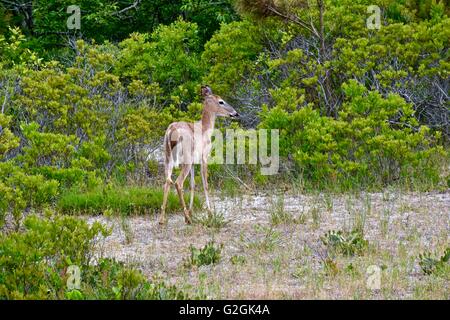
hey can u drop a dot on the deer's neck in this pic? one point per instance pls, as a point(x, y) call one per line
point(208, 121)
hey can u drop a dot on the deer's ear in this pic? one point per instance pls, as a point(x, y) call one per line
point(206, 91)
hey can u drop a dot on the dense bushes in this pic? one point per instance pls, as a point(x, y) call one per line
point(229, 56)
point(34, 265)
point(105, 20)
point(168, 57)
point(356, 108)
point(98, 116)
point(20, 191)
point(374, 140)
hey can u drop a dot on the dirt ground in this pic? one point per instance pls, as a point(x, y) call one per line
point(260, 260)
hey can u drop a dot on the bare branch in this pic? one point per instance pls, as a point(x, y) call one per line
point(133, 6)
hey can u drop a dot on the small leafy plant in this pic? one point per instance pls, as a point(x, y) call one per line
point(346, 243)
point(431, 265)
point(238, 260)
point(209, 254)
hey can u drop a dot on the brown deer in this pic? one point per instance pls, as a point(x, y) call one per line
point(188, 144)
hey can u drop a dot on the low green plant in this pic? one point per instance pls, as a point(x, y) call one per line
point(431, 265)
point(346, 243)
point(209, 254)
point(21, 191)
point(213, 220)
point(238, 260)
point(112, 280)
point(328, 200)
point(269, 240)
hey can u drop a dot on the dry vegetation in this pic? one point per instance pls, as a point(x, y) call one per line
point(272, 246)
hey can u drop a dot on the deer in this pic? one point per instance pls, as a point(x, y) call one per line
point(186, 144)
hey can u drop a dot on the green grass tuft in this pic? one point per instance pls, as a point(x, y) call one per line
point(124, 200)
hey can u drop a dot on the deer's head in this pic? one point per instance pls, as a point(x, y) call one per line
point(215, 104)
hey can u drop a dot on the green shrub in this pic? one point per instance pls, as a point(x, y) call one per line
point(21, 191)
point(125, 200)
point(431, 265)
point(346, 243)
point(230, 54)
point(209, 254)
point(112, 280)
point(34, 264)
point(8, 140)
point(374, 141)
point(169, 57)
point(213, 220)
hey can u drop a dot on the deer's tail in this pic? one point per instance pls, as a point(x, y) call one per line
point(172, 151)
point(168, 148)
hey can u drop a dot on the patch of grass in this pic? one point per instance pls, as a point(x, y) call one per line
point(213, 220)
point(124, 200)
point(359, 221)
point(431, 265)
point(126, 228)
point(346, 243)
point(384, 222)
point(300, 219)
point(328, 200)
point(238, 260)
point(270, 239)
point(330, 267)
point(209, 254)
point(277, 213)
point(351, 270)
point(301, 271)
point(315, 215)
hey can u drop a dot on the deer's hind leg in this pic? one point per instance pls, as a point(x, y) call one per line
point(185, 169)
point(168, 174)
point(192, 188)
point(162, 218)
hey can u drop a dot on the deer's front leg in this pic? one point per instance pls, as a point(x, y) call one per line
point(204, 172)
point(162, 218)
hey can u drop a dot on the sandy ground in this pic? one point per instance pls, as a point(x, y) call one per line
point(285, 261)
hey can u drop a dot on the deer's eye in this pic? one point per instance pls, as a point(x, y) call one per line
point(221, 102)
